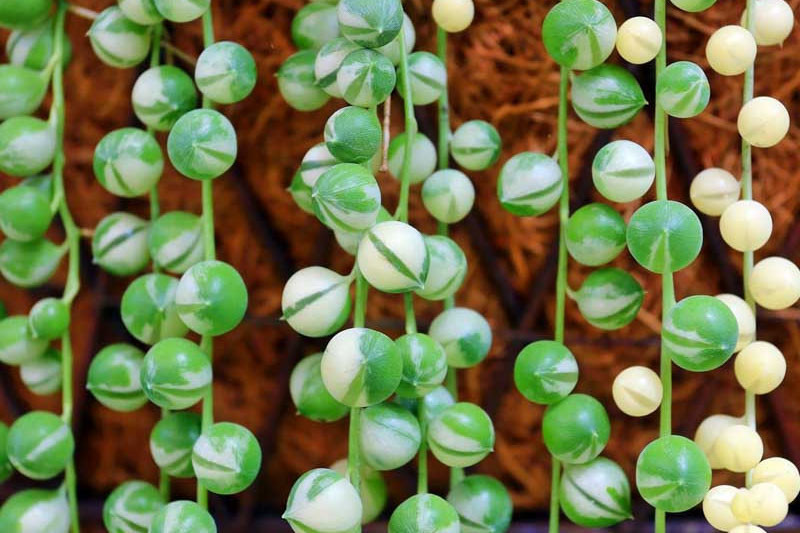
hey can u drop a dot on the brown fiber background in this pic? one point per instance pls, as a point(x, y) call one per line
point(500, 73)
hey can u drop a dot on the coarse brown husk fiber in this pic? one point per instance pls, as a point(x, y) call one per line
point(500, 73)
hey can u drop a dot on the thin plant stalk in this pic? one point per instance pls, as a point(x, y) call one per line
point(747, 194)
point(561, 275)
point(667, 284)
point(72, 238)
point(353, 442)
point(207, 220)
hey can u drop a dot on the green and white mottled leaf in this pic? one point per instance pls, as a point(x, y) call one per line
point(576, 429)
point(175, 374)
point(17, 345)
point(226, 72)
point(202, 145)
point(370, 23)
point(297, 83)
point(182, 10)
point(530, 183)
point(175, 241)
point(595, 234)
point(131, 507)
point(35, 511)
point(118, 41)
point(114, 377)
point(428, 78)
point(606, 96)
point(128, 162)
point(27, 146)
point(609, 298)
point(328, 62)
point(461, 435)
point(40, 444)
point(596, 494)
point(545, 372)
point(315, 25)
point(29, 264)
point(142, 12)
point(700, 333)
point(448, 195)
point(390, 436)
point(316, 301)
point(623, 171)
point(226, 458)
point(579, 34)
point(183, 517)
point(476, 145)
point(353, 134)
point(664, 236)
point(162, 95)
point(447, 270)
point(119, 244)
point(211, 298)
point(322, 500)
point(346, 198)
point(374, 492)
point(148, 309)
point(673, 474)
point(171, 443)
point(33, 47)
point(483, 504)
point(309, 394)
point(423, 157)
point(424, 364)
point(464, 334)
point(21, 90)
point(366, 78)
point(42, 376)
point(424, 513)
point(393, 257)
point(683, 90)
point(393, 50)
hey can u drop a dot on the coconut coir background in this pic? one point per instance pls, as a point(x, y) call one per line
point(499, 72)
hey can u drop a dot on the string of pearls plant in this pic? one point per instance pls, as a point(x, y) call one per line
point(157, 309)
point(729, 442)
point(362, 56)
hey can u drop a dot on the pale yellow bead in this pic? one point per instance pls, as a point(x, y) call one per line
point(780, 472)
point(763, 121)
point(717, 507)
point(739, 448)
point(746, 225)
point(731, 50)
point(775, 283)
point(747, 528)
point(453, 15)
point(708, 432)
point(637, 391)
point(760, 367)
point(713, 190)
point(639, 40)
point(773, 21)
point(763, 504)
point(745, 319)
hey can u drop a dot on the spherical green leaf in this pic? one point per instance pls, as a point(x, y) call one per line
point(606, 96)
point(424, 513)
point(346, 198)
point(211, 298)
point(424, 364)
point(609, 298)
point(682, 89)
point(664, 236)
point(33, 47)
point(595, 494)
point(226, 72)
point(374, 492)
point(464, 334)
point(202, 145)
point(329, 60)
point(175, 241)
point(461, 435)
point(309, 394)
point(40, 445)
point(353, 134)
point(447, 270)
point(226, 458)
point(579, 34)
point(49, 318)
point(25, 213)
point(162, 95)
point(393, 258)
point(17, 343)
point(23, 90)
point(316, 301)
point(175, 374)
point(483, 504)
point(623, 171)
point(118, 41)
point(119, 244)
point(114, 377)
point(131, 507)
point(448, 195)
point(24, 14)
point(366, 78)
point(700, 333)
point(128, 162)
point(42, 376)
point(545, 372)
point(35, 511)
point(182, 517)
point(595, 234)
point(476, 145)
point(29, 264)
point(576, 429)
point(148, 309)
point(315, 25)
point(182, 11)
point(323, 500)
point(171, 443)
point(27, 146)
point(428, 78)
point(529, 184)
point(423, 157)
point(390, 436)
point(140, 11)
point(297, 83)
point(370, 23)
point(673, 474)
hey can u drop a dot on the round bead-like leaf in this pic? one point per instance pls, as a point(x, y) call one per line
point(607, 96)
point(24, 14)
point(323, 500)
point(393, 50)
point(42, 376)
point(346, 198)
point(461, 435)
point(448, 267)
point(693, 6)
point(423, 157)
point(309, 394)
point(673, 474)
point(700, 333)
point(428, 77)
point(148, 309)
point(353, 134)
point(33, 47)
point(361, 367)
point(131, 507)
point(226, 72)
point(315, 25)
point(370, 23)
point(128, 162)
point(393, 257)
point(713, 190)
point(424, 364)
point(25, 213)
point(119, 244)
point(29, 264)
point(329, 60)
point(576, 429)
point(366, 78)
point(464, 334)
point(374, 492)
point(595, 494)
point(162, 95)
point(175, 374)
point(424, 513)
point(476, 145)
point(226, 458)
point(27, 146)
point(23, 90)
point(637, 391)
point(114, 377)
point(49, 318)
point(483, 504)
point(316, 301)
point(609, 298)
point(595, 234)
point(623, 171)
point(202, 145)
point(40, 445)
point(664, 236)
point(530, 183)
point(182, 517)
point(141, 11)
point(448, 195)
point(545, 372)
point(175, 241)
point(211, 298)
point(683, 90)
point(35, 511)
point(17, 343)
point(390, 436)
point(435, 402)
point(171, 443)
point(579, 34)
point(297, 83)
point(182, 10)
point(118, 41)
point(316, 162)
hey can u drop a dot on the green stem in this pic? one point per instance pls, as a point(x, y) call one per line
point(411, 132)
point(668, 289)
point(411, 319)
point(353, 443)
point(207, 341)
point(747, 193)
point(443, 146)
point(561, 275)
point(72, 239)
point(422, 456)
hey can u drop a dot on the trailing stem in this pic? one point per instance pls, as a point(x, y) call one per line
point(72, 240)
point(207, 341)
point(747, 194)
point(353, 444)
point(668, 288)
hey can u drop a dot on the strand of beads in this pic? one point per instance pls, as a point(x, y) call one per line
point(336, 183)
point(576, 427)
point(746, 225)
point(210, 298)
point(40, 445)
